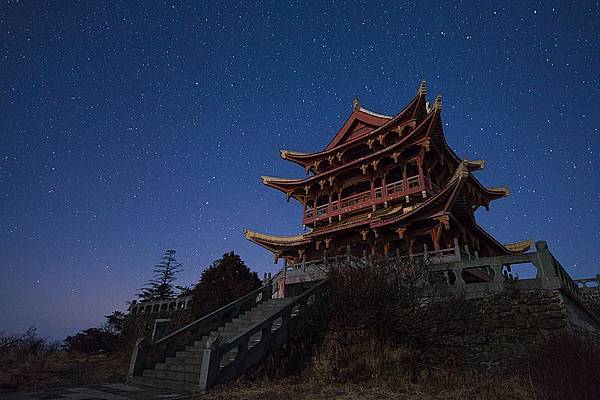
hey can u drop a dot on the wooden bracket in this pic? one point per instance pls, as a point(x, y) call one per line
point(444, 220)
point(400, 232)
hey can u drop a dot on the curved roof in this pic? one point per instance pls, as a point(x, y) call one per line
point(362, 123)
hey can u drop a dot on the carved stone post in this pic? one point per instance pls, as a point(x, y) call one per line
point(545, 263)
point(211, 363)
point(138, 358)
point(456, 248)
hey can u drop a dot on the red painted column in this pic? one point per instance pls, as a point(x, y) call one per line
point(436, 243)
point(404, 177)
point(420, 166)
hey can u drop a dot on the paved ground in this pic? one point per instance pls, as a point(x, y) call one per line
point(112, 391)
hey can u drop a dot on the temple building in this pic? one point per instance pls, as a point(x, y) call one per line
point(385, 186)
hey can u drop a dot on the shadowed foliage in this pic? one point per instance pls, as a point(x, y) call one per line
point(161, 286)
point(226, 280)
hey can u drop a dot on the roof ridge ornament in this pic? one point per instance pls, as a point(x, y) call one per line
point(437, 103)
point(422, 88)
point(355, 103)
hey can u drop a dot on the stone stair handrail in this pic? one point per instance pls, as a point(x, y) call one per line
point(292, 316)
point(147, 353)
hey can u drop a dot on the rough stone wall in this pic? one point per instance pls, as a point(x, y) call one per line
point(497, 329)
point(590, 296)
point(141, 325)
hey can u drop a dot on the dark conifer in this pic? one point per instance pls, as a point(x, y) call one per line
point(161, 286)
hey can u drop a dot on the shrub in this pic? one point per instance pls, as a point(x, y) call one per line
point(25, 344)
point(93, 340)
point(224, 281)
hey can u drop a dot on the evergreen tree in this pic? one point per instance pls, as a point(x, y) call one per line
point(224, 281)
point(161, 286)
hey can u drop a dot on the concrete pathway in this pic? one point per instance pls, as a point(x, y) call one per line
point(109, 391)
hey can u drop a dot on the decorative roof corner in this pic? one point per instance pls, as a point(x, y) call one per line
point(437, 103)
point(504, 190)
point(462, 171)
point(355, 103)
point(519, 247)
point(476, 164)
point(422, 90)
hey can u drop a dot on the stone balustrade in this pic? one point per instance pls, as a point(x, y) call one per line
point(158, 306)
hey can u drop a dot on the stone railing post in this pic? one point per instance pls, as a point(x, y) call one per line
point(211, 362)
point(458, 276)
point(457, 249)
point(138, 357)
point(497, 273)
point(546, 272)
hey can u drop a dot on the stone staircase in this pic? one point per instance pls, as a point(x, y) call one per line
point(182, 371)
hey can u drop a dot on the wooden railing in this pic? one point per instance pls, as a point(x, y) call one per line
point(250, 347)
point(412, 182)
point(380, 194)
point(356, 199)
point(147, 353)
point(394, 187)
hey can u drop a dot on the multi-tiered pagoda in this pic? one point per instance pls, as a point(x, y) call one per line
point(387, 185)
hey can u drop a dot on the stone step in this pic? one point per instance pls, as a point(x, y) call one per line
point(201, 342)
point(165, 384)
point(195, 348)
point(184, 360)
point(172, 375)
point(189, 368)
point(188, 354)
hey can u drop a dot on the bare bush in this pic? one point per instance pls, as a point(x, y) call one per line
point(394, 299)
point(381, 315)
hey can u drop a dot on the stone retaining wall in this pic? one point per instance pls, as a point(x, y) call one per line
point(498, 328)
point(590, 296)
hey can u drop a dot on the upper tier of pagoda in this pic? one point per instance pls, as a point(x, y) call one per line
point(361, 126)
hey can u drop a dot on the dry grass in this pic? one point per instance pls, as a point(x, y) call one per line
point(384, 387)
point(60, 369)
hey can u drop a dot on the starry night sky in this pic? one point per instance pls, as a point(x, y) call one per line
point(129, 128)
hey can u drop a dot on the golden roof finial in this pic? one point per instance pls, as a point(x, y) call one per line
point(422, 88)
point(355, 103)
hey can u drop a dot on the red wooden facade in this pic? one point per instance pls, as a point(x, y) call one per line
point(387, 184)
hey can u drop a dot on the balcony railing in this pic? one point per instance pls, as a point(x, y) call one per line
point(413, 181)
point(322, 209)
point(394, 187)
point(356, 199)
point(380, 194)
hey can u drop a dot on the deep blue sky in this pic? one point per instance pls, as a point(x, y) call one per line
point(128, 128)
